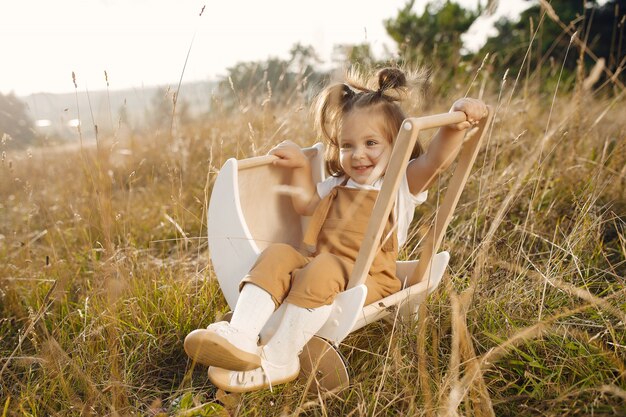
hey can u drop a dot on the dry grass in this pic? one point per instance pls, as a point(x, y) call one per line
point(104, 269)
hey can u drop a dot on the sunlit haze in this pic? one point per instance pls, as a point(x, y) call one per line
point(145, 42)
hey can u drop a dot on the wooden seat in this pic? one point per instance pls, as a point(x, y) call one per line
point(251, 207)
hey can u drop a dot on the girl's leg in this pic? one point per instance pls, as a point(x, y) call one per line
point(254, 308)
point(234, 346)
point(279, 362)
point(309, 305)
point(298, 326)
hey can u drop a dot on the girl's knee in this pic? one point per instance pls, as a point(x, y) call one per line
point(328, 264)
point(278, 249)
point(281, 255)
point(321, 280)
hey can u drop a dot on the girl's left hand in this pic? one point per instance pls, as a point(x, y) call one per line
point(474, 109)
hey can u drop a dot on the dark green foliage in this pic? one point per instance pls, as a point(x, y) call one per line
point(538, 43)
point(434, 37)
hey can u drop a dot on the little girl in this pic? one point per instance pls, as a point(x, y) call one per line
point(358, 125)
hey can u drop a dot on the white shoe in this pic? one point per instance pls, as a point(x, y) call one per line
point(265, 376)
point(223, 346)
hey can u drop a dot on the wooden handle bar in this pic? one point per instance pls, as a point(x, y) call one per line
point(268, 159)
point(437, 120)
point(420, 123)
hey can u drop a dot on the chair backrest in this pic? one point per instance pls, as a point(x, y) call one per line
point(250, 208)
point(265, 197)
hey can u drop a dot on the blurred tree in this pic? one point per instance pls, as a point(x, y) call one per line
point(183, 113)
point(359, 54)
point(160, 116)
point(159, 113)
point(16, 127)
point(274, 79)
point(303, 58)
point(123, 117)
point(434, 37)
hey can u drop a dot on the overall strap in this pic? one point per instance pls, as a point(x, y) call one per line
point(317, 220)
point(319, 216)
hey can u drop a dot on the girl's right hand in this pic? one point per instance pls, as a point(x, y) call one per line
point(290, 155)
point(474, 109)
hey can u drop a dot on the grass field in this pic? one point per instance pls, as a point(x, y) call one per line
point(104, 269)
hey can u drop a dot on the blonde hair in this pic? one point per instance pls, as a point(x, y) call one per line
point(388, 87)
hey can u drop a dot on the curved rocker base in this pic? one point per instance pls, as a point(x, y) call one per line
point(322, 367)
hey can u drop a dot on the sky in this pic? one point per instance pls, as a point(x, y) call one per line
point(145, 42)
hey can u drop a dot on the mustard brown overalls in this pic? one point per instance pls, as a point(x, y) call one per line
point(335, 234)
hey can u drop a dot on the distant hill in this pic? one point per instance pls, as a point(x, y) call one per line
point(57, 114)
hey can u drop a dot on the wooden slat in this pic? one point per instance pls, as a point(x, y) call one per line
point(266, 205)
point(446, 210)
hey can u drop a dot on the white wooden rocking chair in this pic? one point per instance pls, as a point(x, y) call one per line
point(249, 209)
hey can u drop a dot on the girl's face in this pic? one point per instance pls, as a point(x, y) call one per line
point(364, 151)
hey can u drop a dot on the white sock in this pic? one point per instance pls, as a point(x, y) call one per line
point(295, 330)
point(254, 307)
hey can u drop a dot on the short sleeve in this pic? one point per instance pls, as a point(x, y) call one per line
point(324, 187)
point(415, 199)
point(405, 208)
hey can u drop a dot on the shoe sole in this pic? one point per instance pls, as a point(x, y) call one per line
point(225, 386)
point(210, 349)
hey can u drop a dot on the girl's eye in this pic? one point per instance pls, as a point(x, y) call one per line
point(345, 146)
point(372, 143)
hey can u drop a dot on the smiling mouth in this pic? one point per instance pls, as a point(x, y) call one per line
point(362, 168)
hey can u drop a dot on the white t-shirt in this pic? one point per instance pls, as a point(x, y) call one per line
point(405, 201)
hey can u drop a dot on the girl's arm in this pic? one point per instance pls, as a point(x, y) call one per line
point(305, 197)
point(444, 146)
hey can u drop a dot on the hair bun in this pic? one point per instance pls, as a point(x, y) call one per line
point(390, 78)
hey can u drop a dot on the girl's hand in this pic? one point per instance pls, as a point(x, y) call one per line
point(473, 108)
point(290, 154)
